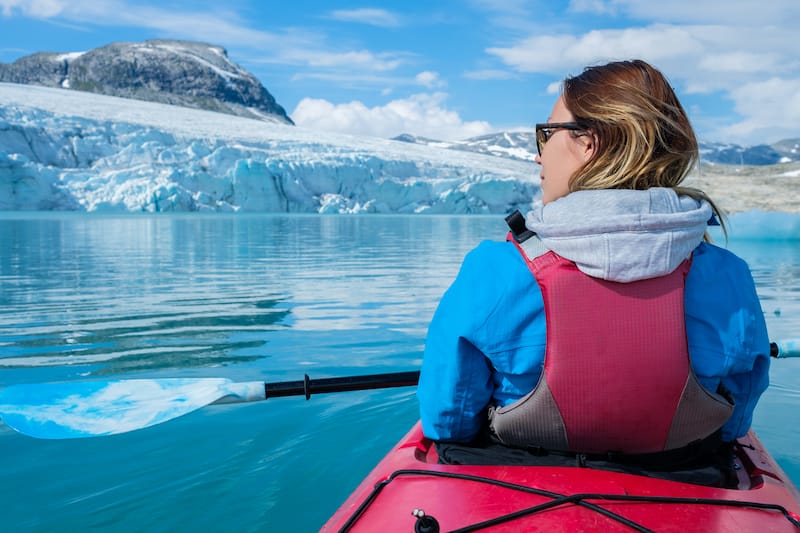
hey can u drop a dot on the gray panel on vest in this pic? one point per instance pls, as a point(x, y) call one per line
point(533, 420)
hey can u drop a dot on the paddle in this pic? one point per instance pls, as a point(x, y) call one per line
point(96, 408)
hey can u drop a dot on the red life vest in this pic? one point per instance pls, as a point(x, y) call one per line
point(617, 375)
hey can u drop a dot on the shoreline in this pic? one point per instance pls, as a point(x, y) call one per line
point(736, 188)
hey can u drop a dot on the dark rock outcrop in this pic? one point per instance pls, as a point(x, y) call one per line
point(184, 73)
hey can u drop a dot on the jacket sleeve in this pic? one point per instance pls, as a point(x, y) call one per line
point(750, 376)
point(727, 333)
point(456, 384)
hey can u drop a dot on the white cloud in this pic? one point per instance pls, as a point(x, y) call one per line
point(598, 7)
point(729, 12)
point(740, 62)
point(429, 79)
point(554, 88)
point(363, 59)
point(373, 17)
point(54, 8)
point(563, 53)
point(771, 109)
point(421, 114)
point(210, 25)
point(489, 74)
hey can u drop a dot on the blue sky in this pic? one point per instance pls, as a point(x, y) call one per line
point(456, 69)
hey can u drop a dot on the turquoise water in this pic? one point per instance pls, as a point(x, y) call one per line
point(248, 298)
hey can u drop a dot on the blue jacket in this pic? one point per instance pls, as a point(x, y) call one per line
point(486, 342)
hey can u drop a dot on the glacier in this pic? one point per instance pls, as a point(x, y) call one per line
point(759, 225)
point(67, 150)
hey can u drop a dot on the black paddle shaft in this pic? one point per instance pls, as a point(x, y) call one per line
point(307, 386)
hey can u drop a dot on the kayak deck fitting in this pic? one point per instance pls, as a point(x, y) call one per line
point(409, 491)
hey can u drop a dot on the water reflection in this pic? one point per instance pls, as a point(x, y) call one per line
point(776, 270)
point(115, 294)
point(118, 294)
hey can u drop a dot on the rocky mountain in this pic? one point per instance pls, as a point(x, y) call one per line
point(521, 145)
point(785, 151)
point(789, 148)
point(184, 73)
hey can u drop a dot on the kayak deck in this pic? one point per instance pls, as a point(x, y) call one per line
point(409, 483)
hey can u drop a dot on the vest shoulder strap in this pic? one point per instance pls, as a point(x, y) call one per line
point(519, 231)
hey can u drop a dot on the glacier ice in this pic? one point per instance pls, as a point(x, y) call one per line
point(65, 150)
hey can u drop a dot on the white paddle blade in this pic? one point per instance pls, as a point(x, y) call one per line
point(788, 348)
point(91, 409)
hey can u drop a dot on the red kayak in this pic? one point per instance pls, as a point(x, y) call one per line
point(409, 491)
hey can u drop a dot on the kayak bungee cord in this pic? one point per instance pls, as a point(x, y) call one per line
point(580, 498)
point(559, 499)
point(478, 479)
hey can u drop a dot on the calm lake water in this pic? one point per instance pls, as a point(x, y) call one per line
point(253, 297)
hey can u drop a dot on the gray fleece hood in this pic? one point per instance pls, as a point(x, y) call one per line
point(622, 235)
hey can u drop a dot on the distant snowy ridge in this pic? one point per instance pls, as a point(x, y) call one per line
point(186, 73)
point(68, 150)
point(522, 145)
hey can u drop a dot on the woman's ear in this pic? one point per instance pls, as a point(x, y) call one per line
point(588, 145)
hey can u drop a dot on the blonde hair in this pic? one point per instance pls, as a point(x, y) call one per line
point(642, 133)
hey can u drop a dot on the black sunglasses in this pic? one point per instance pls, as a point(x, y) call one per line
point(546, 130)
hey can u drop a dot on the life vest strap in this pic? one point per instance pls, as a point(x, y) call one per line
point(519, 231)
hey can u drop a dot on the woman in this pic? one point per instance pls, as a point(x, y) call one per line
point(613, 154)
